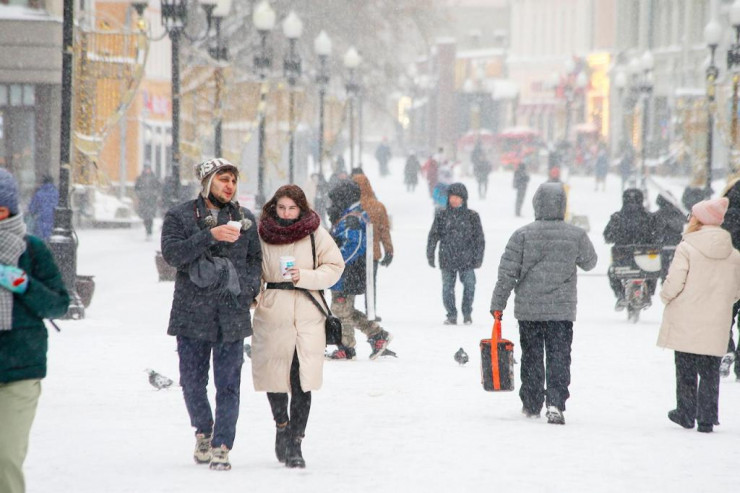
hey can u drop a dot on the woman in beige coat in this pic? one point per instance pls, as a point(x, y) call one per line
point(702, 285)
point(289, 339)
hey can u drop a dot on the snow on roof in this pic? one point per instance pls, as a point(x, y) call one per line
point(23, 13)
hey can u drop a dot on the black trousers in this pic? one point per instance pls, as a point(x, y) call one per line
point(545, 361)
point(702, 402)
point(731, 347)
point(300, 403)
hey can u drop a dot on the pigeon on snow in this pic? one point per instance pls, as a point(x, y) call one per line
point(158, 381)
point(461, 356)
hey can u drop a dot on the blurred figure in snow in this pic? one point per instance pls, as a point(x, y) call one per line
point(41, 208)
point(383, 155)
point(411, 172)
point(148, 190)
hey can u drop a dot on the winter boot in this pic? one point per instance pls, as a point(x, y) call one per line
point(202, 454)
point(343, 352)
point(554, 416)
point(726, 364)
point(220, 459)
point(705, 428)
point(677, 417)
point(281, 441)
point(529, 413)
point(378, 343)
point(450, 321)
point(293, 454)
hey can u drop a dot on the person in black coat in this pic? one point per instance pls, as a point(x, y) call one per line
point(219, 267)
point(669, 224)
point(411, 172)
point(631, 225)
point(148, 190)
point(459, 232)
point(521, 180)
point(732, 225)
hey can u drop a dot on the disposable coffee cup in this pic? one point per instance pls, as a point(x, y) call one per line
point(286, 262)
point(234, 224)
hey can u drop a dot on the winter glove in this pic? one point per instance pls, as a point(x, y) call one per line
point(431, 262)
point(13, 279)
point(387, 259)
point(497, 314)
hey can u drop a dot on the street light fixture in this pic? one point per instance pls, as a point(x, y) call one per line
point(220, 53)
point(712, 36)
point(322, 47)
point(645, 86)
point(292, 29)
point(351, 62)
point(263, 18)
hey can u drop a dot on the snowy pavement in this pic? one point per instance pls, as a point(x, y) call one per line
point(419, 423)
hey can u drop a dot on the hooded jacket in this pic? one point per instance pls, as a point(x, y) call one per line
point(632, 225)
point(459, 232)
point(378, 217)
point(702, 285)
point(540, 262)
point(732, 216)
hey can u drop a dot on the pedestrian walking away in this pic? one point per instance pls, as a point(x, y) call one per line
point(411, 172)
point(31, 289)
point(349, 224)
point(42, 206)
point(383, 155)
point(601, 167)
point(213, 243)
point(669, 222)
point(481, 168)
point(289, 338)
point(148, 191)
point(540, 265)
point(731, 223)
point(459, 233)
point(702, 285)
point(521, 180)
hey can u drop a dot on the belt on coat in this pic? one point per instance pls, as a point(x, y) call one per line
point(280, 285)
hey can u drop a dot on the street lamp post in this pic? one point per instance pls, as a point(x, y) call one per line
point(220, 53)
point(322, 47)
point(733, 62)
point(264, 20)
point(712, 35)
point(620, 82)
point(292, 29)
point(351, 62)
point(646, 88)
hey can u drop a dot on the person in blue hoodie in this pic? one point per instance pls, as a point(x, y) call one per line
point(349, 224)
point(41, 208)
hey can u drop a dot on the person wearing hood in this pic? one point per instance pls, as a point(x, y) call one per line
point(631, 225)
point(381, 230)
point(702, 285)
point(669, 224)
point(731, 223)
point(459, 233)
point(349, 223)
point(540, 265)
point(219, 267)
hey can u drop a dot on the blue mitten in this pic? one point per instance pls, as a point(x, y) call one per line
point(13, 279)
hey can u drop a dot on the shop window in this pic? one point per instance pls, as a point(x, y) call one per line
point(29, 95)
point(3, 95)
point(16, 95)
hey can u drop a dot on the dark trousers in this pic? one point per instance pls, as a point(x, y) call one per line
point(731, 347)
point(195, 356)
point(520, 193)
point(483, 187)
point(148, 226)
point(467, 278)
point(697, 403)
point(300, 403)
point(545, 360)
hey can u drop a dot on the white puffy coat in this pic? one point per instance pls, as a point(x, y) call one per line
point(286, 321)
point(702, 285)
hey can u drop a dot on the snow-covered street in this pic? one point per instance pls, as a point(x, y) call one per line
point(419, 423)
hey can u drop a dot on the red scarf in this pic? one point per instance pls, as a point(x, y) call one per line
point(273, 233)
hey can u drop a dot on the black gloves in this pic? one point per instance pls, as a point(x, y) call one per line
point(386, 261)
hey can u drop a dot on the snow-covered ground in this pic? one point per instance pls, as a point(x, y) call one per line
point(416, 423)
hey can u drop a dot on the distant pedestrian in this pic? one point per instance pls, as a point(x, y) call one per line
point(339, 172)
point(383, 155)
point(695, 192)
point(411, 172)
point(601, 167)
point(289, 339)
point(31, 289)
point(702, 285)
point(521, 180)
point(626, 164)
point(42, 206)
point(481, 168)
point(539, 264)
point(148, 191)
point(218, 277)
point(459, 233)
point(444, 180)
point(431, 171)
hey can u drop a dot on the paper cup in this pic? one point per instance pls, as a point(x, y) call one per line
point(286, 262)
point(234, 224)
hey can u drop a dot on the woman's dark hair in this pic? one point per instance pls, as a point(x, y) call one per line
point(294, 193)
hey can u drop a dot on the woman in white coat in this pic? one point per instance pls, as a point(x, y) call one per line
point(702, 285)
point(289, 339)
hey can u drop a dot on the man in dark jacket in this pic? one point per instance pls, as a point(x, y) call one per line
point(349, 224)
point(148, 190)
point(459, 232)
point(732, 225)
point(631, 225)
point(540, 265)
point(31, 289)
point(219, 266)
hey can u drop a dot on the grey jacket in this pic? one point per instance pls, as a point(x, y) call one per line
point(540, 262)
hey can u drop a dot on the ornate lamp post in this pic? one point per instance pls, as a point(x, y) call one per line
point(220, 53)
point(264, 20)
point(733, 64)
point(712, 35)
point(322, 47)
point(292, 29)
point(351, 62)
point(645, 87)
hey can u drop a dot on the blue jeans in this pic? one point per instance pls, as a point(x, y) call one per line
point(467, 278)
point(195, 356)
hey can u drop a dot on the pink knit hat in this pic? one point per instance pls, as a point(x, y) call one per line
point(711, 212)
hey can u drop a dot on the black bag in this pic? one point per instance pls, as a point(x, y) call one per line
point(332, 324)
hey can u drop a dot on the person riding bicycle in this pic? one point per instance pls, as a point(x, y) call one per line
point(631, 225)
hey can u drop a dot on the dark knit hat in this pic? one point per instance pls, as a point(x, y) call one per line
point(8, 192)
point(345, 193)
point(632, 196)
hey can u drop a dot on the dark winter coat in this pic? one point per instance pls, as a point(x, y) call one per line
point(632, 225)
point(732, 216)
point(692, 196)
point(23, 348)
point(540, 262)
point(204, 313)
point(521, 177)
point(481, 165)
point(459, 233)
point(411, 171)
point(41, 210)
point(148, 192)
point(669, 223)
